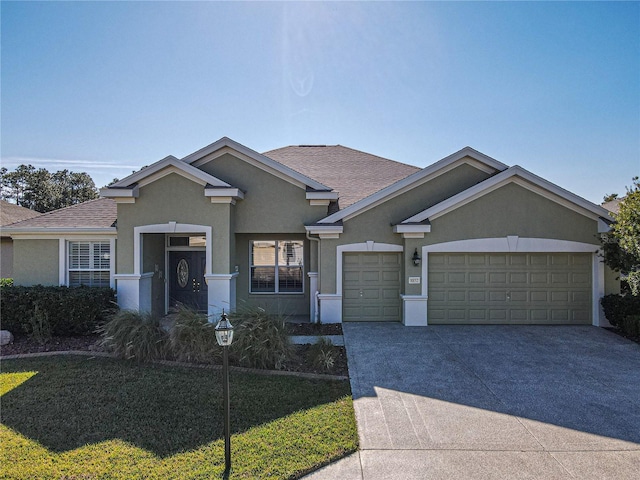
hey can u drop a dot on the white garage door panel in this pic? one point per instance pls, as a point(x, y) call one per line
point(371, 287)
point(541, 288)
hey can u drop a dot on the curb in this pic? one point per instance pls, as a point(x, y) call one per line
point(171, 363)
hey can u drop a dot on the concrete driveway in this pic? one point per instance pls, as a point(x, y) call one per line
point(480, 402)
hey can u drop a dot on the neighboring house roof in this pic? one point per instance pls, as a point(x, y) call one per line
point(352, 173)
point(613, 206)
point(11, 213)
point(91, 215)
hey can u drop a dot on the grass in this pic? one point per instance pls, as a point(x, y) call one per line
point(96, 418)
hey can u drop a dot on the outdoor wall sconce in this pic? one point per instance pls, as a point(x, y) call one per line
point(416, 258)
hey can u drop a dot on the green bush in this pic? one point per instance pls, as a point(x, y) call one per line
point(631, 325)
point(69, 310)
point(135, 335)
point(193, 338)
point(6, 282)
point(618, 307)
point(260, 339)
point(40, 325)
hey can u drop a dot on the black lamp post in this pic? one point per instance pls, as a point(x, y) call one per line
point(224, 336)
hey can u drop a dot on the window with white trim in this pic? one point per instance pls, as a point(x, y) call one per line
point(89, 264)
point(277, 266)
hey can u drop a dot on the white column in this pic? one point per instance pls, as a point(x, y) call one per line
point(313, 290)
point(222, 294)
point(134, 291)
point(414, 310)
point(330, 308)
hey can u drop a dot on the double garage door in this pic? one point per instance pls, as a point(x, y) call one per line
point(468, 288)
point(535, 288)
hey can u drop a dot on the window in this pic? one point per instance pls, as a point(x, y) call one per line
point(277, 266)
point(89, 264)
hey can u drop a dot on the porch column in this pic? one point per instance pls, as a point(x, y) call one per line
point(222, 294)
point(134, 291)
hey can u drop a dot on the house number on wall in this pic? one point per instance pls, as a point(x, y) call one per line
point(414, 280)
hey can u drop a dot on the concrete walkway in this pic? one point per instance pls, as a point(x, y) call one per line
point(492, 402)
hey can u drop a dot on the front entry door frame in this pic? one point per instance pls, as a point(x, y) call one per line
point(170, 228)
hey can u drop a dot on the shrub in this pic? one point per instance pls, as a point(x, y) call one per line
point(193, 338)
point(322, 355)
point(135, 335)
point(70, 310)
point(6, 282)
point(40, 325)
point(618, 307)
point(260, 339)
point(623, 311)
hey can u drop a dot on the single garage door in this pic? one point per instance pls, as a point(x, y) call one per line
point(536, 288)
point(371, 287)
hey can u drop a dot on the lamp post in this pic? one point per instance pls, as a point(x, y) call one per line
point(224, 336)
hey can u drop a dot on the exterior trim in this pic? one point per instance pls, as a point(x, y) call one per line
point(515, 244)
point(158, 170)
point(44, 233)
point(466, 155)
point(325, 231)
point(170, 227)
point(217, 149)
point(522, 177)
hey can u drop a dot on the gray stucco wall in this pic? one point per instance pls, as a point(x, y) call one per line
point(509, 210)
point(377, 224)
point(174, 198)
point(36, 261)
point(6, 257)
point(513, 210)
point(270, 204)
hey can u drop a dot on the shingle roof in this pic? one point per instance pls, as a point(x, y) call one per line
point(11, 213)
point(613, 206)
point(352, 173)
point(99, 213)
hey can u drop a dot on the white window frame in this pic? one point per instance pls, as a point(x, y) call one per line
point(92, 267)
point(63, 261)
point(276, 266)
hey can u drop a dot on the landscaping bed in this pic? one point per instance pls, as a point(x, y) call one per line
point(298, 363)
point(306, 328)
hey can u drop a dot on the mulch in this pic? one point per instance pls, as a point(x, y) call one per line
point(91, 343)
point(306, 328)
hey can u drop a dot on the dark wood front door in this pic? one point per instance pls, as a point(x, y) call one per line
point(186, 279)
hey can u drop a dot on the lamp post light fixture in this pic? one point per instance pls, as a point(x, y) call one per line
point(224, 337)
point(416, 258)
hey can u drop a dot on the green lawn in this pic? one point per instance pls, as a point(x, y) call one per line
point(89, 418)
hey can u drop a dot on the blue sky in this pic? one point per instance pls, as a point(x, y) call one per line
point(107, 87)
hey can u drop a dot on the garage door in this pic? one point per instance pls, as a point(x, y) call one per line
point(371, 287)
point(536, 288)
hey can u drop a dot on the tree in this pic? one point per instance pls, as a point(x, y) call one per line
point(42, 191)
point(621, 246)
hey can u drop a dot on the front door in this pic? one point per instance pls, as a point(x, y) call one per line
point(186, 279)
